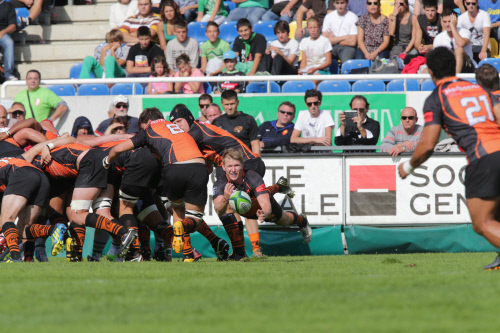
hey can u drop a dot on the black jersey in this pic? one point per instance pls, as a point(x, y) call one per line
point(243, 127)
point(64, 158)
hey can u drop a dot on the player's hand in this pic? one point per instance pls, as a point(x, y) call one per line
point(402, 173)
point(483, 55)
point(342, 119)
point(45, 155)
point(261, 216)
point(228, 191)
point(105, 163)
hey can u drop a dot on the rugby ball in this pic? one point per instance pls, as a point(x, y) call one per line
point(240, 202)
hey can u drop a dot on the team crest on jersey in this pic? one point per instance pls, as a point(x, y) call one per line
point(238, 129)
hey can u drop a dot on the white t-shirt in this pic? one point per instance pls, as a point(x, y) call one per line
point(482, 21)
point(292, 47)
point(315, 50)
point(341, 25)
point(118, 13)
point(314, 127)
point(443, 39)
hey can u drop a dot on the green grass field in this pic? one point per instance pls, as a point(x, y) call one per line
point(355, 293)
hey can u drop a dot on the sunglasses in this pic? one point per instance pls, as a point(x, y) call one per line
point(202, 106)
point(359, 109)
point(470, 3)
point(409, 117)
point(286, 112)
point(121, 106)
point(17, 113)
point(121, 128)
point(310, 104)
point(372, 3)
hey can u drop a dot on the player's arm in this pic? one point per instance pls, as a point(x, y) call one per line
point(45, 147)
point(27, 123)
point(496, 111)
point(265, 204)
point(221, 202)
point(255, 147)
point(117, 150)
point(94, 141)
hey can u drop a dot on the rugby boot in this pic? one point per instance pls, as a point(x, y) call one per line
point(494, 265)
point(57, 239)
point(136, 258)
point(178, 241)
point(29, 259)
point(257, 253)
point(126, 241)
point(10, 260)
point(306, 230)
point(40, 252)
point(71, 254)
point(236, 257)
point(285, 188)
point(96, 256)
point(195, 256)
point(221, 250)
point(146, 252)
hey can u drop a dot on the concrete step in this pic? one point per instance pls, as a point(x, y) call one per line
point(56, 51)
point(12, 91)
point(100, 2)
point(65, 32)
point(83, 13)
point(49, 69)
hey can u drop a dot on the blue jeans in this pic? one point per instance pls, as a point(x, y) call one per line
point(7, 44)
point(253, 14)
point(382, 55)
point(270, 16)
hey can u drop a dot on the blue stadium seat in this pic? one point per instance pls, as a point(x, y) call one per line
point(354, 63)
point(196, 30)
point(261, 87)
point(126, 89)
point(74, 72)
point(229, 4)
point(266, 28)
point(63, 89)
point(93, 89)
point(398, 85)
point(334, 86)
point(334, 67)
point(208, 87)
point(368, 85)
point(492, 61)
point(228, 31)
point(297, 86)
point(427, 85)
point(472, 81)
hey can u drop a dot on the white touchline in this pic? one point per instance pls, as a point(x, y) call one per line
point(373, 190)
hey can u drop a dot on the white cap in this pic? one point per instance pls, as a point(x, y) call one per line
point(120, 99)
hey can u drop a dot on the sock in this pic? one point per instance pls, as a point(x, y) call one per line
point(11, 235)
point(144, 233)
point(35, 231)
point(273, 189)
point(254, 239)
point(205, 230)
point(101, 238)
point(57, 218)
point(165, 231)
point(298, 220)
point(189, 225)
point(100, 222)
point(230, 223)
point(78, 233)
point(29, 249)
point(129, 222)
point(188, 249)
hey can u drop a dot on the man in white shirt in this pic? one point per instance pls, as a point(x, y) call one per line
point(478, 22)
point(340, 28)
point(315, 125)
point(282, 54)
point(458, 41)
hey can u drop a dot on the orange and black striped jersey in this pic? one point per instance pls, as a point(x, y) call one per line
point(465, 110)
point(10, 148)
point(167, 141)
point(213, 141)
point(63, 164)
point(8, 165)
point(118, 165)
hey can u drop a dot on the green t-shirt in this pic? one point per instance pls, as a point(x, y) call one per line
point(216, 50)
point(254, 3)
point(207, 6)
point(43, 101)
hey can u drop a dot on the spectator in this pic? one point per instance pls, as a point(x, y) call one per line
point(340, 28)
point(487, 77)
point(428, 26)
point(283, 53)
point(119, 12)
point(366, 130)
point(315, 125)
point(417, 7)
point(119, 125)
point(35, 8)
point(121, 104)
point(458, 41)
point(316, 52)
point(185, 70)
point(249, 46)
point(41, 101)
point(453, 5)
point(478, 22)
point(212, 50)
point(311, 8)
point(3, 119)
point(402, 28)
point(404, 137)
point(145, 18)
point(211, 10)
point(230, 60)
point(278, 132)
point(109, 58)
point(7, 27)
point(182, 44)
point(493, 10)
point(17, 113)
point(358, 7)
point(141, 55)
point(82, 126)
point(373, 33)
point(252, 10)
point(213, 112)
point(188, 9)
point(170, 13)
point(159, 68)
point(204, 103)
point(282, 10)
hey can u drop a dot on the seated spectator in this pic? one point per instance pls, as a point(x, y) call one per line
point(458, 41)
point(159, 68)
point(119, 125)
point(282, 54)
point(188, 9)
point(404, 137)
point(16, 112)
point(428, 26)
point(119, 12)
point(230, 60)
point(419, 4)
point(185, 70)
point(402, 28)
point(478, 22)
point(278, 132)
point(212, 50)
point(311, 8)
point(492, 7)
point(121, 104)
point(252, 10)
point(316, 52)
point(213, 112)
point(3, 119)
point(145, 18)
point(211, 11)
point(373, 33)
point(487, 77)
point(250, 47)
point(7, 27)
point(170, 13)
point(141, 55)
point(109, 58)
point(34, 6)
point(366, 130)
point(204, 102)
point(340, 28)
point(282, 10)
point(82, 126)
point(182, 44)
point(315, 125)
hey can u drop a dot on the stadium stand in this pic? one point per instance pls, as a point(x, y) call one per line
point(297, 86)
point(368, 86)
point(63, 90)
point(196, 30)
point(427, 85)
point(492, 61)
point(126, 89)
point(93, 90)
point(228, 31)
point(334, 86)
point(261, 87)
point(398, 85)
point(349, 65)
point(266, 28)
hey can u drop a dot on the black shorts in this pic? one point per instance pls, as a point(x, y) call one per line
point(114, 178)
point(276, 211)
point(91, 172)
point(59, 186)
point(9, 150)
point(188, 181)
point(30, 183)
point(482, 177)
point(142, 169)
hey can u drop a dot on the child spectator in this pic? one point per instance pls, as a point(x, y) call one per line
point(283, 53)
point(169, 14)
point(182, 44)
point(212, 50)
point(120, 11)
point(141, 55)
point(249, 46)
point(211, 10)
point(183, 63)
point(119, 125)
point(230, 60)
point(159, 68)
